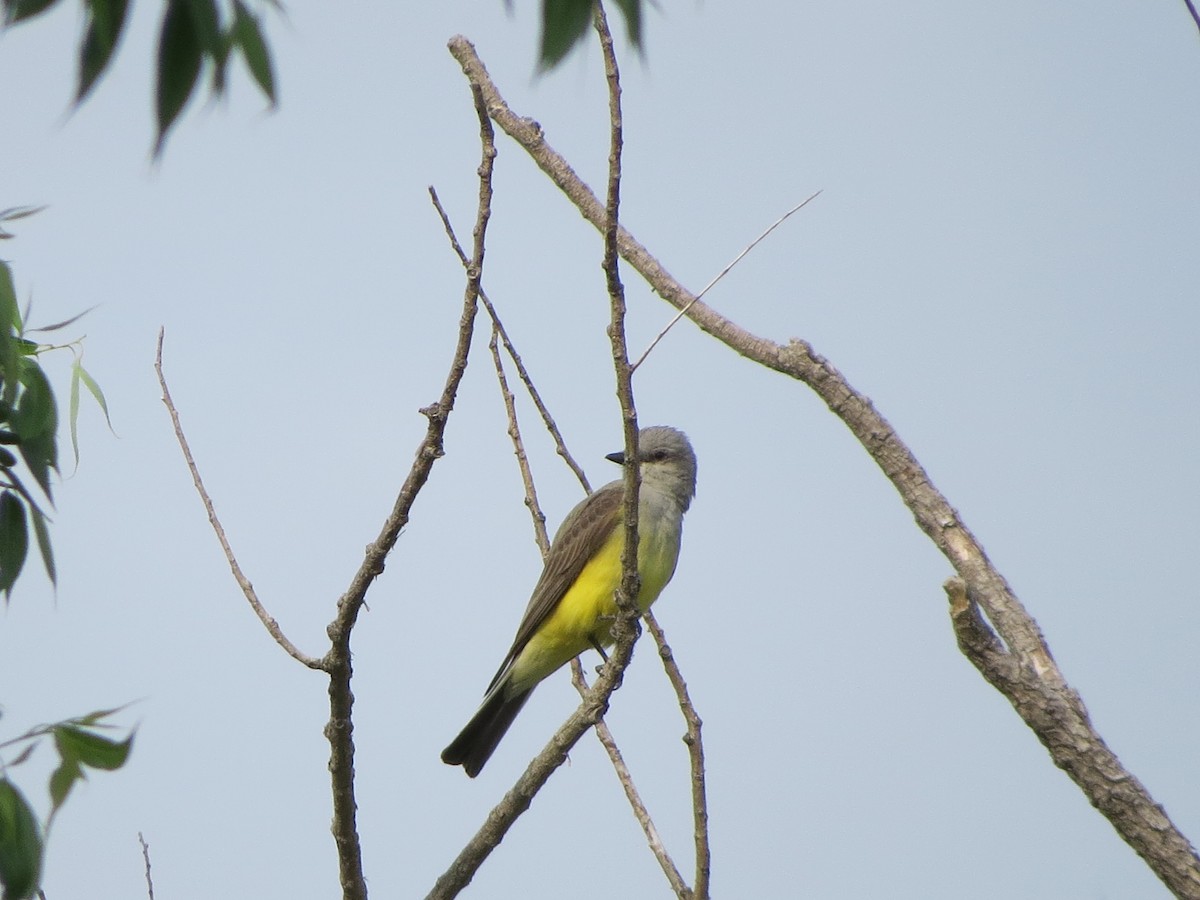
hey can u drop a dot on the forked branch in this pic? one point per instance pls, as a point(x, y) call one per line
point(1060, 721)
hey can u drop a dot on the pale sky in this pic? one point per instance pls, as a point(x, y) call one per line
point(1005, 258)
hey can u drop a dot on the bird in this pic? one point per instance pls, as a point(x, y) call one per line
point(573, 604)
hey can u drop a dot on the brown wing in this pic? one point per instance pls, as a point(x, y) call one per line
point(579, 538)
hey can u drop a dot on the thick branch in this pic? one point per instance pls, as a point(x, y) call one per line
point(1067, 733)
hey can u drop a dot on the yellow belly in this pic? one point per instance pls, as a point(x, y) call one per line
point(588, 609)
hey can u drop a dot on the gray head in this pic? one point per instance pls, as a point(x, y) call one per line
point(667, 460)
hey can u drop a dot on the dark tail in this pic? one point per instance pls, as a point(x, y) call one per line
point(477, 741)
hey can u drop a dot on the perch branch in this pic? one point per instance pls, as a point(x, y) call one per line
point(632, 794)
point(695, 745)
point(536, 774)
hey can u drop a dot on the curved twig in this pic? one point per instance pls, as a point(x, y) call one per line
point(238, 575)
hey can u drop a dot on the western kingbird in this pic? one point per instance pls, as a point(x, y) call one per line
point(573, 604)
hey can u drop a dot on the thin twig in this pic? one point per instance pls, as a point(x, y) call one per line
point(640, 812)
point(1192, 9)
point(547, 419)
point(146, 857)
point(514, 432)
point(695, 745)
point(243, 582)
point(560, 445)
point(725, 271)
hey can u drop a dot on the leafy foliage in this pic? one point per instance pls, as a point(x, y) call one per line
point(29, 427)
point(20, 844)
point(565, 23)
point(192, 33)
point(80, 745)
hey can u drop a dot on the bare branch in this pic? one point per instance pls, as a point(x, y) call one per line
point(146, 857)
point(536, 774)
point(595, 703)
point(243, 582)
point(514, 432)
point(548, 420)
point(534, 394)
point(630, 581)
point(678, 885)
point(1192, 9)
point(1073, 744)
point(695, 745)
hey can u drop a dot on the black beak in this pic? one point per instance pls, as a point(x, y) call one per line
point(618, 457)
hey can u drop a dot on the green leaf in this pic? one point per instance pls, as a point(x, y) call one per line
point(62, 780)
point(80, 375)
point(18, 10)
point(98, 395)
point(42, 533)
point(35, 413)
point(14, 540)
point(564, 22)
point(91, 749)
point(10, 313)
point(41, 455)
point(23, 755)
point(94, 717)
point(78, 748)
point(73, 413)
point(179, 55)
point(16, 212)
point(10, 322)
point(20, 212)
point(207, 22)
point(64, 323)
point(247, 34)
point(20, 845)
point(102, 31)
point(35, 421)
point(19, 487)
point(632, 10)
